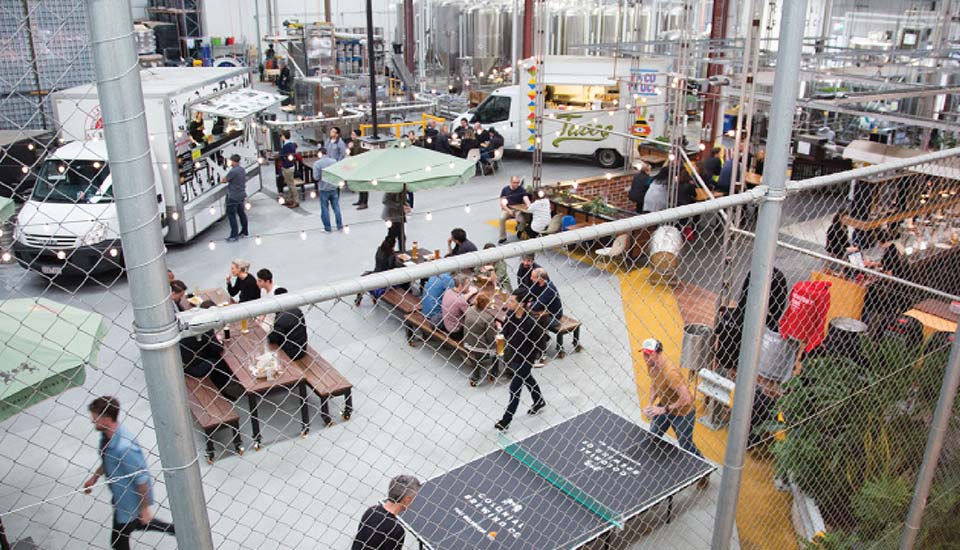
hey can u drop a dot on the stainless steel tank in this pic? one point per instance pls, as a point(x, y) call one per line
point(445, 33)
point(482, 36)
point(570, 27)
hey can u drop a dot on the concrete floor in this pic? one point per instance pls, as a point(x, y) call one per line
point(414, 413)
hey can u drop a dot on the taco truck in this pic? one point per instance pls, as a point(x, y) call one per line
point(69, 222)
point(585, 99)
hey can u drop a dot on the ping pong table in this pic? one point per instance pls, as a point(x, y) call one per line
point(560, 488)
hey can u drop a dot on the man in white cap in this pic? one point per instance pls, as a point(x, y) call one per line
point(671, 404)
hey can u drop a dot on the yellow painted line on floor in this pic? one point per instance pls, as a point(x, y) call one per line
point(651, 310)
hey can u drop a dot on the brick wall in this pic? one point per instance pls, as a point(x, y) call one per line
point(613, 191)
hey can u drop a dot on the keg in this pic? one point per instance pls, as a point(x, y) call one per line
point(843, 338)
point(778, 355)
point(664, 248)
point(697, 350)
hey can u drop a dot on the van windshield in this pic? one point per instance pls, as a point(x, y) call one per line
point(74, 181)
point(496, 108)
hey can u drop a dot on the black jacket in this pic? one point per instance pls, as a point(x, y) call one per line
point(441, 144)
point(523, 276)
point(200, 354)
point(523, 336)
point(292, 329)
point(247, 288)
point(496, 142)
point(638, 188)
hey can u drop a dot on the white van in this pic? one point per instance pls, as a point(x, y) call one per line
point(69, 223)
point(585, 99)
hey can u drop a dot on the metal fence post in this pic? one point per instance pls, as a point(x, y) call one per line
point(786, 87)
point(128, 147)
point(938, 431)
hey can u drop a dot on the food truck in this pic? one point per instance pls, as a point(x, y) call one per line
point(69, 223)
point(585, 99)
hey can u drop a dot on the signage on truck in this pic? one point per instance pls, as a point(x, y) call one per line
point(574, 131)
point(93, 124)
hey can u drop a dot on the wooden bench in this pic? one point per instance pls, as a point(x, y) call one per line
point(326, 382)
point(567, 324)
point(212, 411)
point(401, 301)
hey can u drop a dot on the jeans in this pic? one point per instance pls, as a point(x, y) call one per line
point(236, 210)
point(330, 199)
point(682, 426)
point(522, 376)
point(120, 534)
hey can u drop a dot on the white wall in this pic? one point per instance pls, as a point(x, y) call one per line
point(237, 17)
point(139, 8)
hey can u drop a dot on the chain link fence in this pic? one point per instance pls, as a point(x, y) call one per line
point(305, 405)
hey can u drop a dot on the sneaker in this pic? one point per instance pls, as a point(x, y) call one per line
point(362, 207)
point(502, 241)
point(540, 364)
point(536, 408)
point(232, 239)
point(244, 235)
point(501, 427)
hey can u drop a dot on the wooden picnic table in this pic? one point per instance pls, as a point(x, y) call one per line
point(241, 350)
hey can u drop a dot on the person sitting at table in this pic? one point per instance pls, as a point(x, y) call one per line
point(454, 303)
point(539, 212)
point(468, 142)
point(885, 298)
point(461, 130)
point(289, 331)
point(545, 304)
point(478, 132)
point(497, 272)
point(511, 195)
point(488, 148)
point(245, 285)
point(178, 294)
point(479, 338)
point(459, 244)
point(430, 131)
point(525, 272)
point(196, 130)
point(441, 141)
point(430, 300)
point(386, 258)
point(202, 356)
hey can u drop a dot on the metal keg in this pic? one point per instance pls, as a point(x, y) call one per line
point(843, 338)
point(778, 355)
point(664, 246)
point(697, 350)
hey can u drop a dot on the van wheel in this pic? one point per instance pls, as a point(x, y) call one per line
point(608, 158)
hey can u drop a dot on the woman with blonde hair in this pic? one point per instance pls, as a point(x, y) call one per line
point(245, 285)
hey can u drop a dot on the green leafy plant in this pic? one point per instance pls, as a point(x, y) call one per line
point(599, 207)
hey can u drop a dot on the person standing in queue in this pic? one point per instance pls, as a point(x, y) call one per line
point(671, 403)
point(356, 148)
point(288, 161)
point(329, 191)
point(245, 284)
point(125, 467)
point(379, 528)
point(522, 333)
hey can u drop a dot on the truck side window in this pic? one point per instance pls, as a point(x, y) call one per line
point(495, 108)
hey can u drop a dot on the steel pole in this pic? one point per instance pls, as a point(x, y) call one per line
point(938, 432)
point(256, 22)
point(514, 40)
point(786, 87)
point(372, 61)
point(408, 38)
point(155, 323)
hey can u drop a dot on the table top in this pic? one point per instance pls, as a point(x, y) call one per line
point(602, 468)
point(424, 255)
point(242, 349)
point(938, 308)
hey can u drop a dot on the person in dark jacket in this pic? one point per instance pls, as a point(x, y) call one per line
point(245, 285)
point(356, 148)
point(379, 528)
point(639, 186)
point(468, 143)
point(202, 356)
point(525, 272)
point(490, 147)
point(522, 333)
point(441, 141)
point(289, 331)
point(458, 243)
point(838, 242)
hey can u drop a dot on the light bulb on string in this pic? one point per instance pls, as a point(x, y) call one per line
point(247, 205)
point(703, 146)
point(279, 200)
point(429, 216)
point(397, 175)
point(313, 194)
point(451, 165)
point(212, 245)
point(175, 216)
point(608, 175)
point(213, 211)
point(539, 194)
point(303, 235)
point(466, 208)
point(61, 255)
point(388, 223)
point(113, 252)
point(428, 168)
point(24, 169)
point(257, 240)
point(342, 184)
point(346, 230)
point(7, 257)
point(671, 157)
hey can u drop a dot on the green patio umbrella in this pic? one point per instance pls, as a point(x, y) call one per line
point(399, 169)
point(45, 347)
point(7, 208)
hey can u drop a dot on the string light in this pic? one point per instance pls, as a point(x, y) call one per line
point(451, 165)
point(672, 157)
point(313, 194)
point(398, 175)
point(346, 230)
point(279, 200)
point(213, 211)
point(429, 216)
point(61, 255)
point(7, 257)
point(303, 235)
point(388, 223)
point(428, 168)
point(372, 182)
point(703, 146)
point(608, 175)
point(257, 240)
point(247, 205)
point(341, 184)
point(261, 160)
point(466, 209)
point(212, 245)
point(175, 216)
point(113, 252)
point(24, 169)
point(539, 194)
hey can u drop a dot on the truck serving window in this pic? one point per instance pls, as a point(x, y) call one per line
point(75, 181)
point(496, 108)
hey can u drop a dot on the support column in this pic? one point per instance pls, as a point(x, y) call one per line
point(408, 38)
point(785, 89)
point(529, 14)
point(711, 107)
point(155, 324)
